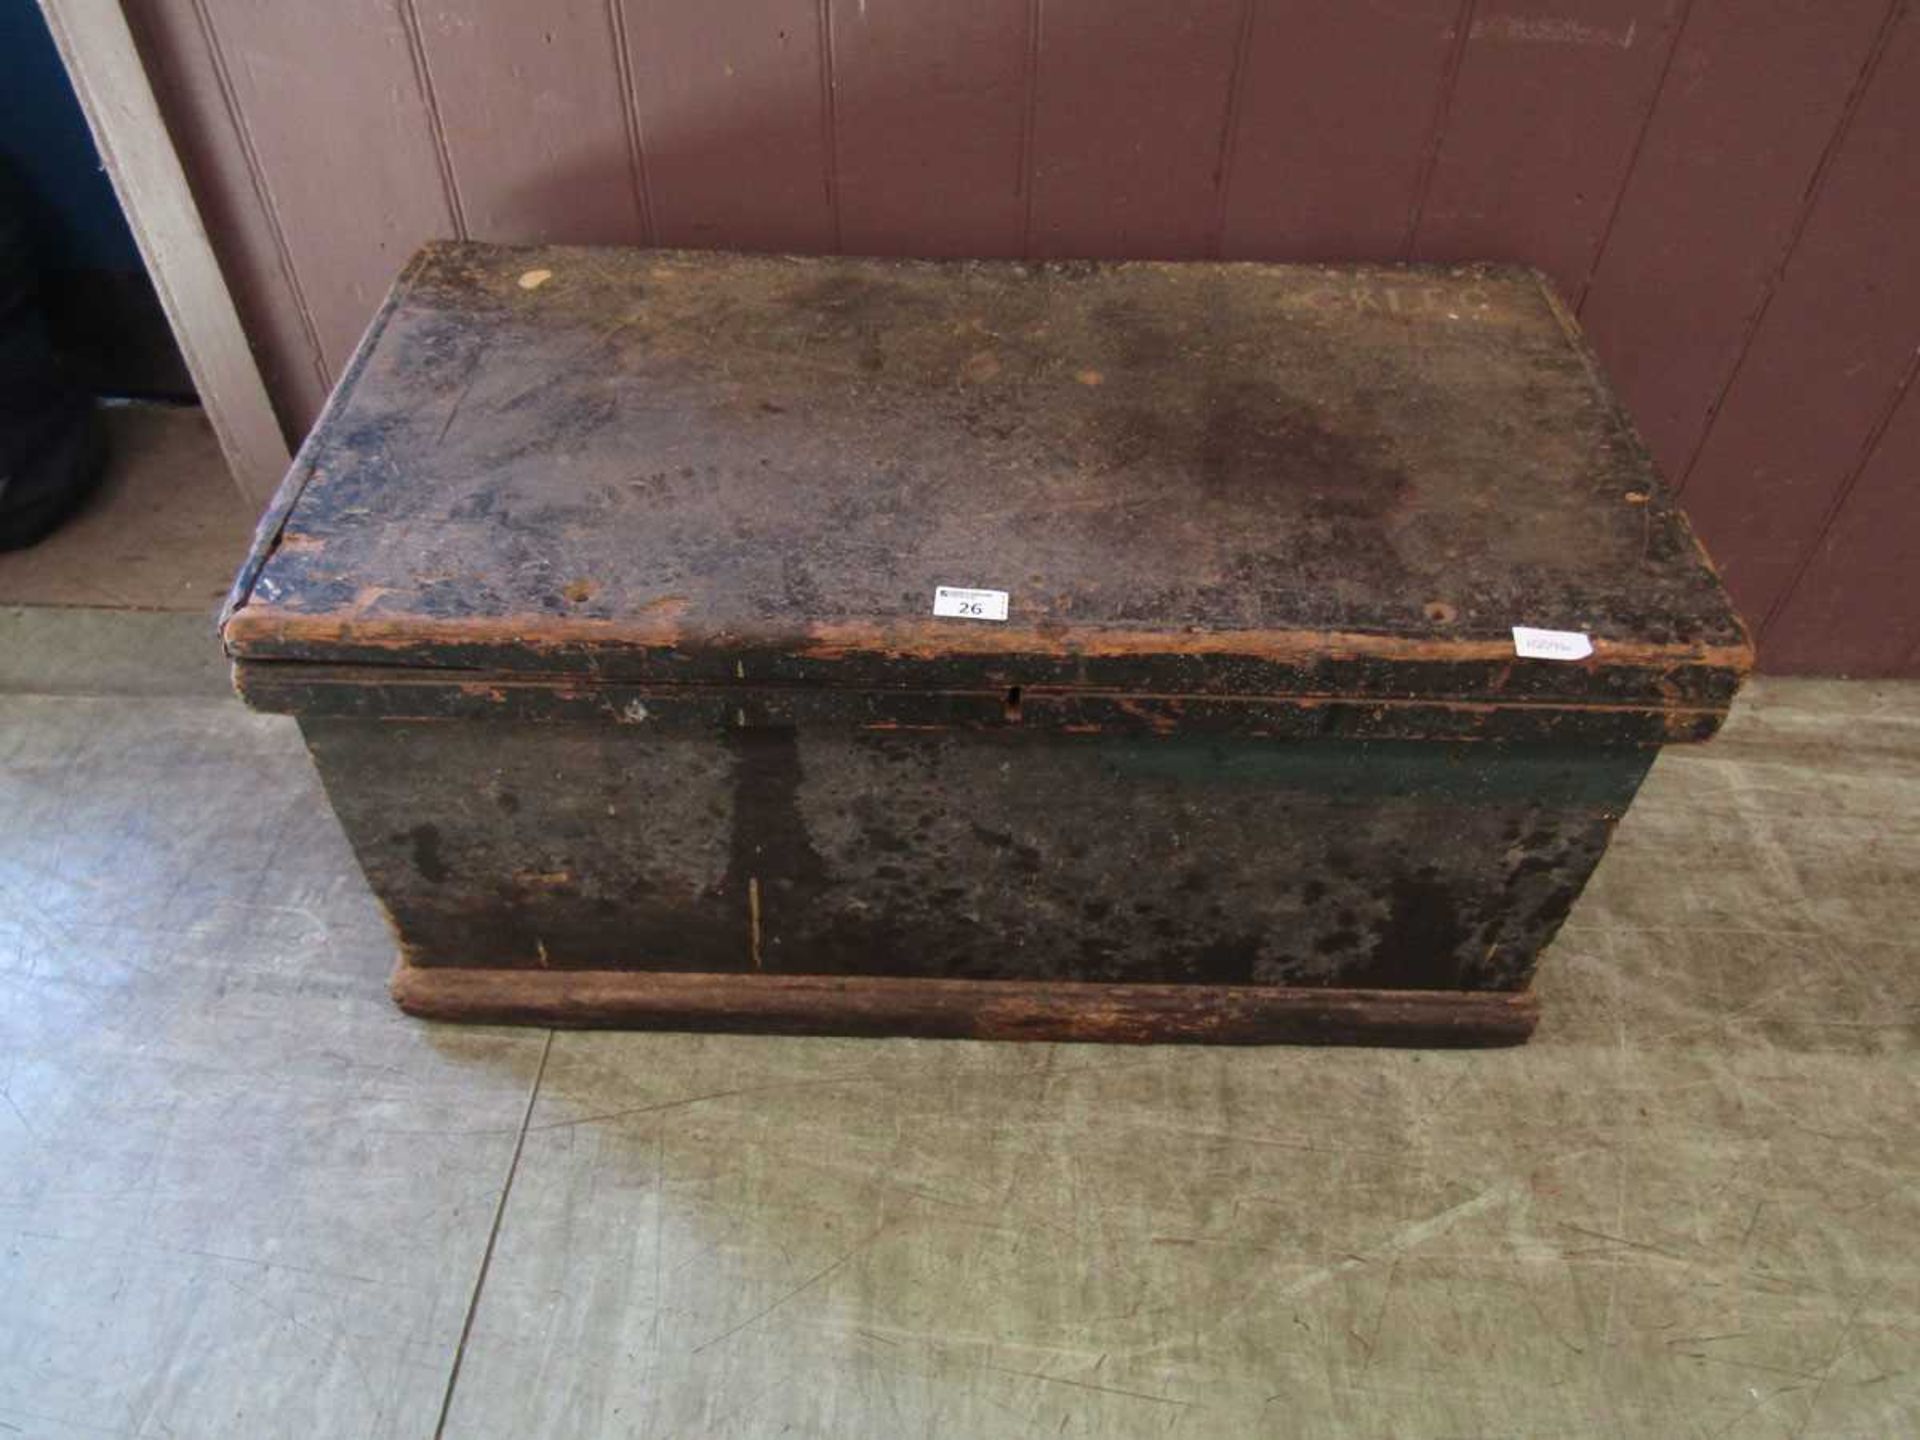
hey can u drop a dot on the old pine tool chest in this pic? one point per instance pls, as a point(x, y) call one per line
point(1106, 651)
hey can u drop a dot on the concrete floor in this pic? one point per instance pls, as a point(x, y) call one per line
point(240, 1195)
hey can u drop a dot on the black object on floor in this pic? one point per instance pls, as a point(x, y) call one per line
point(51, 452)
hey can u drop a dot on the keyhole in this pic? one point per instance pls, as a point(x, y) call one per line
point(1013, 704)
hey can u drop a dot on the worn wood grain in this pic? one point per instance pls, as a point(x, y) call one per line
point(656, 532)
point(823, 848)
point(968, 1009)
point(387, 692)
point(666, 466)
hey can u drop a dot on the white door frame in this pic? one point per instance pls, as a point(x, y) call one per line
point(114, 91)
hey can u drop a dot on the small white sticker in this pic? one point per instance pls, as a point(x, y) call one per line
point(969, 604)
point(1531, 644)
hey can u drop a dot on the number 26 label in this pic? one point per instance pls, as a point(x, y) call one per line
point(963, 604)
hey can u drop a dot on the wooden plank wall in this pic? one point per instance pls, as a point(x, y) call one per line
point(1731, 201)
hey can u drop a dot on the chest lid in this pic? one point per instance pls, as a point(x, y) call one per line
point(631, 467)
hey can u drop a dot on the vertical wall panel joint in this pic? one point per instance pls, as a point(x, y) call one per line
point(1229, 127)
point(1815, 183)
point(1633, 156)
point(630, 117)
point(263, 192)
point(829, 121)
point(1443, 105)
point(1841, 494)
point(1030, 106)
point(436, 128)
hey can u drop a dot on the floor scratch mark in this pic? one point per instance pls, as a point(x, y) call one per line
point(1084, 1385)
point(493, 1236)
point(805, 1285)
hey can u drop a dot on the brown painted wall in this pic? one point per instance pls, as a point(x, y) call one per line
point(1730, 198)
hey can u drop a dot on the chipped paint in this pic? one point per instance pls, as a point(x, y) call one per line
point(1160, 563)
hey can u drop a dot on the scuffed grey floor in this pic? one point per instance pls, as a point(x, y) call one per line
point(241, 1196)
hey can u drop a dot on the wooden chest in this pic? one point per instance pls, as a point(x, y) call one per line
point(627, 603)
